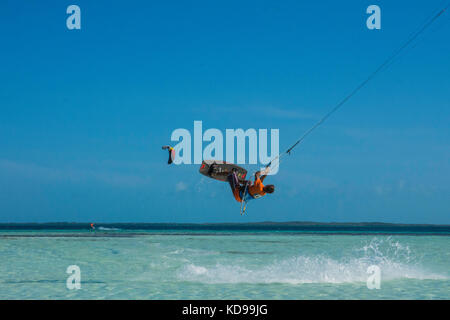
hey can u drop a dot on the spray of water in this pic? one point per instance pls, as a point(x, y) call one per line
point(395, 260)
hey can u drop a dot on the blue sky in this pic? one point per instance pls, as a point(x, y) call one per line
point(83, 113)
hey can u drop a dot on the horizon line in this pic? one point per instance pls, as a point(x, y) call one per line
point(230, 223)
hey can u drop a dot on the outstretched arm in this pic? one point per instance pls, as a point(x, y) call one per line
point(262, 174)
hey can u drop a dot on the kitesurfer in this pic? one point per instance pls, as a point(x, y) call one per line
point(248, 190)
point(171, 153)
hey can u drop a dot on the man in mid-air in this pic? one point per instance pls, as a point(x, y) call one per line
point(171, 153)
point(247, 190)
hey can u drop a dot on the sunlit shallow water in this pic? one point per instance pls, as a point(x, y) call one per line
point(218, 265)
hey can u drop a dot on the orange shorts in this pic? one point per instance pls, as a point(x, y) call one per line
point(237, 195)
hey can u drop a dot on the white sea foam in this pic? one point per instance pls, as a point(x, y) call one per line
point(189, 251)
point(394, 260)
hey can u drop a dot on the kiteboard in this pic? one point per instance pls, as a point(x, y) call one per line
point(220, 170)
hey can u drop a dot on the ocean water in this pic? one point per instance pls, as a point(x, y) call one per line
point(223, 264)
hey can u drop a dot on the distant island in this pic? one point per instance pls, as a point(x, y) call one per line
point(292, 226)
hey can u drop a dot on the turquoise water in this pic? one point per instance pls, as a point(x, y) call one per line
point(118, 264)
